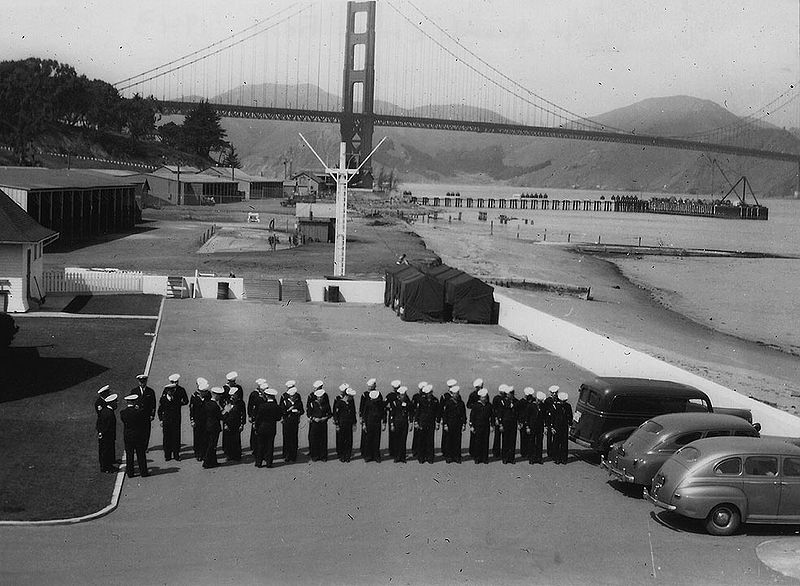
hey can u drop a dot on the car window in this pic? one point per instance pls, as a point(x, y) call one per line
point(647, 404)
point(729, 467)
point(651, 427)
point(688, 454)
point(791, 466)
point(718, 433)
point(590, 396)
point(746, 433)
point(761, 466)
point(687, 438)
point(700, 405)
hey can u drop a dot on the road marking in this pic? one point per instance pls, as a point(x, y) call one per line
point(652, 556)
point(85, 315)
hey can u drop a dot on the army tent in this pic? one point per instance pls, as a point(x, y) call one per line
point(469, 299)
point(393, 277)
point(421, 297)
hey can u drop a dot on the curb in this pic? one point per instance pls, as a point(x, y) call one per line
point(120, 475)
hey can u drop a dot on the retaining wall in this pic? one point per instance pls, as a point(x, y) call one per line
point(349, 291)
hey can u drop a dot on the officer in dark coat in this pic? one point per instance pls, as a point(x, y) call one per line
point(425, 419)
point(372, 384)
point(172, 400)
point(230, 383)
point(292, 409)
point(481, 419)
point(268, 413)
point(400, 413)
point(213, 425)
point(256, 396)
point(445, 398)
point(197, 418)
point(374, 422)
point(415, 432)
point(100, 399)
point(477, 385)
point(529, 397)
point(344, 419)
point(506, 417)
point(107, 433)
point(232, 427)
point(137, 425)
point(147, 400)
point(548, 405)
point(498, 435)
point(318, 411)
point(454, 421)
point(389, 398)
point(533, 421)
point(561, 419)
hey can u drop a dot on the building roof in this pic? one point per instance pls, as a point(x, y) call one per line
point(187, 177)
point(183, 169)
point(238, 175)
point(39, 178)
point(317, 211)
point(17, 227)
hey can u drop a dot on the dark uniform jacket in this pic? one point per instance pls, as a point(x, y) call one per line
point(533, 415)
point(344, 410)
point(253, 401)
point(107, 424)
point(197, 410)
point(147, 400)
point(136, 421)
point(472, 399)
point(400, 409)
point(318, 407)
point(232, 416)
point(99, 403)
point(374, 411)
point(561, 416)
point(267, 416)
point(169, 410)
point(213, 416)
point(427, 411)
point(482, 415)
point(505, 410)
point(292, 405)
point(454, 413)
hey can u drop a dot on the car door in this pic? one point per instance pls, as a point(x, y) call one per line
point(762, 487)
point(789, 507)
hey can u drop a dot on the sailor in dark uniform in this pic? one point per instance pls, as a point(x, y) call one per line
point(137, 424)
point(344, 419)
point(561, 419)
point(445, 398)
point(528, 397)
point(230, 383)
point(477, 385)
point(232, 427)
point(400, 412)
point(100, 399)
point(389, 398)
point(291, 409)
point(318, 411)
point(507, 418)
point(372, 384)
point(481, 419)
point(147, 400)
point(107, 433)
point(197, 418)
point(498, 435)
point(268, 413)
point(173, 398)
point(426, 419)
point(548, 405)
point(374, 422)
point(534, 425)
point(213, 425)
point(255, 397)
point(415, 431)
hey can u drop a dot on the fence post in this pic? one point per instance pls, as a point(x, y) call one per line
point(491, 227)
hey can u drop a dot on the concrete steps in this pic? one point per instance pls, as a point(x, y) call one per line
point(265, 289)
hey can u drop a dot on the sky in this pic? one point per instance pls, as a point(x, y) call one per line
point(589, 56)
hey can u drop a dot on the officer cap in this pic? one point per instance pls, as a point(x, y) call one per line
point(319, 392)
point(201, 381)
point(396, 384)
point(452, 382)
point(218, 390)
point(483, 393)
point(173, 378)
point(422, 385)
point(350, 391)
point(318, 384)
point(477, 383)
point(374, 394)
point(271, 391)
point(541, 395)
point(343, 387)
point(554, 389)
point(111, 398)
point(402, 390)
point(263, 386)
point(132, 398)
point(455, 389)
point(103, 389)
point(427, 389)
point(528, 391)
point(232, 375)
point(563, 396)
point(141, 377)
point(372, 382)
point(202, 385)
point(290, 384)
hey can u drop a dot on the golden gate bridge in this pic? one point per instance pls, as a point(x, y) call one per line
point(398, 68)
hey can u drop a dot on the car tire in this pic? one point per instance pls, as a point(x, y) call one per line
point(723, 520)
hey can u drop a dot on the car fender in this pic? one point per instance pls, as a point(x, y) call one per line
point(605, 441)
point(698, 500)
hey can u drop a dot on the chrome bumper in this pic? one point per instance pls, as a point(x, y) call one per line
point(616, 472)
point(657, 502)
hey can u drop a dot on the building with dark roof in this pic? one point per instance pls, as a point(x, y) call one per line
point(22, 242)
point(251, 186)
point(187, 186)
point(78, 204)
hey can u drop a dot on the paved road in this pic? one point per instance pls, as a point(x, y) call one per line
point(362, 522)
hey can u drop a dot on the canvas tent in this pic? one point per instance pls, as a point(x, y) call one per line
point(392, 289)
point(469, 299)
point(421, 297)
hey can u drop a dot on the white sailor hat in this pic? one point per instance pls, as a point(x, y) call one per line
point(509, 389)
point(173, 378)
point(318, 384)
point(402, 390)
point(541, 395)
point(374, 394)
point(483, 393)
point(111, 398)
point(271, 391)
point(202, 385)
point(232, 391)
point(455, 389)
point(554, 389)
point(343, 387)
point(396, 384)
point(477, 383)
point(290, 384)
point(141, 376)
point(427, 389)
point(103, 389)
point(563, 396)
point(422, 385)
point(319, 392)
point(351, 391)
point(201, 381)
point(372, 382)
point(528, 391)
point(232, 375)
point(452, 382)
point(503, 388)
point(218, 390)
point(292, 390)
point(260, 380)
point(263, 386)
point(131, 398)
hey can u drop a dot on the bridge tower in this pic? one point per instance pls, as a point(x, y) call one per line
point(359, 89)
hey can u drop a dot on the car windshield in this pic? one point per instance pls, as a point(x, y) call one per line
point(651, 427)
point(688, 454)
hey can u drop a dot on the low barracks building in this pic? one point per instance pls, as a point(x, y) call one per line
point(78, 204)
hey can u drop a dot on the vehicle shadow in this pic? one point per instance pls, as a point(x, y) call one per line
point(634, 491)
point(682, 524)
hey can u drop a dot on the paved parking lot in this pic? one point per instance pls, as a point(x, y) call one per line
point(363, 522)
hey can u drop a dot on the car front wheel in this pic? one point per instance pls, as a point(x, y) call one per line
point(723, 520)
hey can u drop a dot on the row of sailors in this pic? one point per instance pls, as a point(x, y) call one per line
point(215, 411)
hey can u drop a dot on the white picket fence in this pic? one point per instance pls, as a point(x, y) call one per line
point(73, 280)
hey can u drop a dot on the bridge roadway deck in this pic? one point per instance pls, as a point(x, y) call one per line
point(363, 523)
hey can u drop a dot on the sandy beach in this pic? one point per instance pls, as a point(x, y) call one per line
point(624, 311)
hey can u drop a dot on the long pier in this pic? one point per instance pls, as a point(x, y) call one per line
point(622, 203)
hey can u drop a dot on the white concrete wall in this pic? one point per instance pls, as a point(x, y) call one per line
point(349, 291)
point(605, 357)
point(12, 275)
point(206, 287)
point(154, 284)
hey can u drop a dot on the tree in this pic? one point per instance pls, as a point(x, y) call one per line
point(171, 135)
point(202, 131)
point(231, 158)
point(139, 116)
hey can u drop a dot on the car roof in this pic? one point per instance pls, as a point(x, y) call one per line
point(697, 421)
point(618, 385)
point(734, 446)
